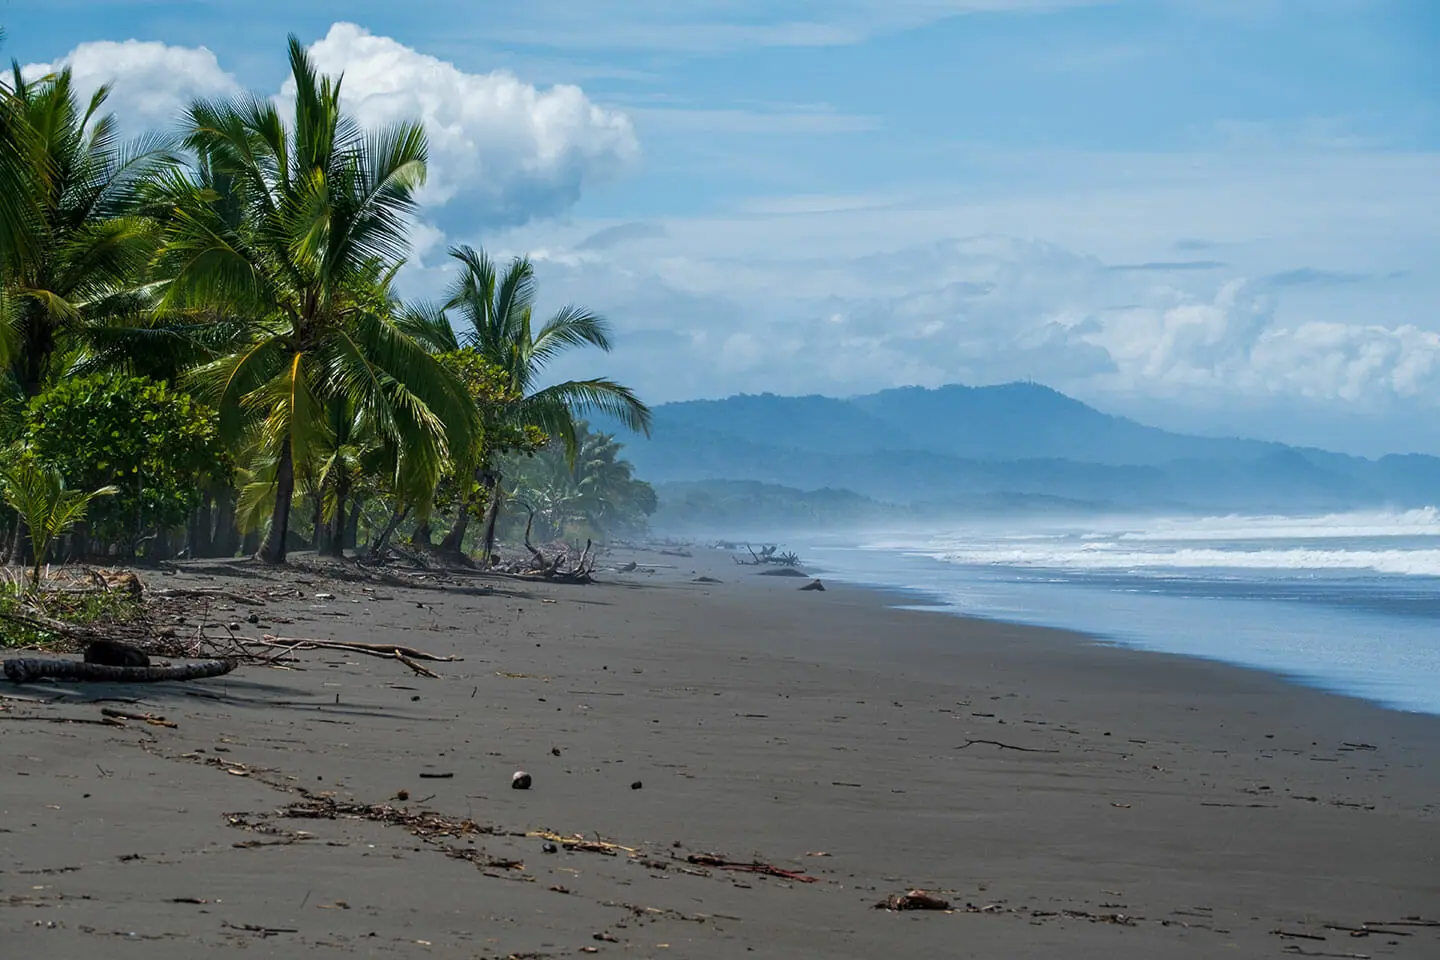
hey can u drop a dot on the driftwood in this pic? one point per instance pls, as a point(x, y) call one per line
point(379, 649)
point(563, 567)
point(30, 669)
point(386, 651)
point(768, 555)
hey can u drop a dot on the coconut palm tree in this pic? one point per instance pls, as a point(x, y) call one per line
point(76, 252)
point(322, 212)
point(595, 488)
point(498, 310)
point(17, 201)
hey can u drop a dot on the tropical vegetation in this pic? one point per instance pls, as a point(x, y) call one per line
point(202, 325)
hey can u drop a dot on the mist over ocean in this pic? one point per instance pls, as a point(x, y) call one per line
point(1345, 602)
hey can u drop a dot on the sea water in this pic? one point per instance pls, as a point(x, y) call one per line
point(1349, 603)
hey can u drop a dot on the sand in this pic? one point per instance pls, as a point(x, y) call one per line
point(1069, 799)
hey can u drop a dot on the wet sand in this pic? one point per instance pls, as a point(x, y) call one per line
point(1068, 798)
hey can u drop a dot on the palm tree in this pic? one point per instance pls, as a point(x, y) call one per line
point(77, 250)
point(73, 246)
point(322, 208)
point(595, 488)
point(39, 496)
point(497, 308)
point(17, 201)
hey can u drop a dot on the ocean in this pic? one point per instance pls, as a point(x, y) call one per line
point(1349, 603)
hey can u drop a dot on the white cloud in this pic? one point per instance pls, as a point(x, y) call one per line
point(512, 151)
point(152, 82)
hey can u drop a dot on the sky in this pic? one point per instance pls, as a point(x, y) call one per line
point(1220, 216)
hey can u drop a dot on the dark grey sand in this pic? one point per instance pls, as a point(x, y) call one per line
point(1160, 807)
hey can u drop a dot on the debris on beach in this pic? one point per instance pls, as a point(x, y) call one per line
point(769, 554)
point(913, 900)
point(31, 669)
point(577, 842)
point(520, 781)
point(813, 585)
point(387, 651)
point(752, 866)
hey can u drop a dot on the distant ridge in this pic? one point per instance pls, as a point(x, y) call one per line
point(957, 443)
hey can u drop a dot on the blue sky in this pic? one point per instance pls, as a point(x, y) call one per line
point(1221, 215)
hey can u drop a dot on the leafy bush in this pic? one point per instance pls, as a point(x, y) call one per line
point(158, 446)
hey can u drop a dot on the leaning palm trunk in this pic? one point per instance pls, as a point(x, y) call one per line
point(382, 542)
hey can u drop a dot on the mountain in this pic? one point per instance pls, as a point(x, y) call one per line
point(960, 445)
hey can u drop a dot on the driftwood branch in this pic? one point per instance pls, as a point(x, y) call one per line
point(29, 669)
point(374, 649)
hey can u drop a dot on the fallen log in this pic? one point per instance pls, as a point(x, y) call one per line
point(30, 669)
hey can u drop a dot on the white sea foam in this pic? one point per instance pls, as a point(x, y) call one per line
point(1369, 541)
point(1424, 522)
point(1112, 557)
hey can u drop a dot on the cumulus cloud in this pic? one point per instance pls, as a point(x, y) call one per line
point(512, 151)
point(151, 82)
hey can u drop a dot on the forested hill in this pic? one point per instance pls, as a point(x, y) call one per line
point(956, 443)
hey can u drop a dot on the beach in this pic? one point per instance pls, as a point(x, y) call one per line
point(752, 768)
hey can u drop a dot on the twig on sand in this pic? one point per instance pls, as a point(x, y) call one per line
point(1003, 746)
point(754, 866)
point(149, 718)
point(1293, 933)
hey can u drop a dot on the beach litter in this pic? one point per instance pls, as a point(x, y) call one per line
point(913, 900)
point(814, 585)
point(520, 781)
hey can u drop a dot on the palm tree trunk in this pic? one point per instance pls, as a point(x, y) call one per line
point(317, 538)
point(227, 538)
point(382, 543)
point(336, 539)
point(352, 524)
point(273, 550)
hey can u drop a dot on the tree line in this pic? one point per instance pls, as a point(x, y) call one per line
point(201, 327)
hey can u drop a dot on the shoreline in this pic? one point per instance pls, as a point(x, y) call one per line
point(1369, 689)
point(1068, 798)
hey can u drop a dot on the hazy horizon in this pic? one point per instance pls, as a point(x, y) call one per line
point(1220, 218)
